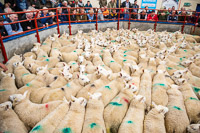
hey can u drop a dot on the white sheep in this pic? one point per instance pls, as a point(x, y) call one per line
point(133, 121)
point(193, 128)
point(176, 119)
point(73, 120)
point(94, 122)
point(9, 121)
point(52, 120)
point(192, 67)
point(31, 113)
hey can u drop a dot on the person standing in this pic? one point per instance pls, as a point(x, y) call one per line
point(28, 25)
point(112, 4)
point(102, 3)
point(22, 5)
point(135, 10)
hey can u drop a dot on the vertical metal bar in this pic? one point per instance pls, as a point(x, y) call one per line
point(97, 19)
point(118, 19)
point(3, 50)
point(58, 28)
point(155, 25)
point(129, 20)
point(70, 32)
point(183, 25)
point(36, 27)
point(195, 23)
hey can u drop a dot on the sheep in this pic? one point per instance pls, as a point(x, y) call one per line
point(110, 90)
point(152, 67)
point(193, 80)
point(159, 89)
point(68, 90)
point(31, 113)
point(7, 87)
point(59, 82)
point(9, 64)
point(67, 57)
point(94, 122)
point(29, 54)
point(97, 60)
point(19, 71)
point(191, 101)
point(117, 108)
point(145, 87)
point(193, 128)
point(52, 120)
point(92, 87)
point(176, 119)
point(9, 121)
point(133, 120)
point(41, 54)
point(73, 120)
point(154, 118)
point(192, 67)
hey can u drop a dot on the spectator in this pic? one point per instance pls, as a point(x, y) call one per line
point(173, 9)
point(76, 4)
point(126, 14)
point(11, 3)
point(35, 4)
point(61, 16)
point(135, 16)
point(105, 12)
point(91, 15)
point(39, 22)
point(82, 15)
point(47, 20)
point(147, 10)
point(152, 16)
point(114, 14)
point(22, 5)
point(143, 15)
point(100, 14)
point(43, 2)
point(112, 4)
point(65, 4)
point(198, 23)
point(54, 3)
point(52, 14)
point(182, 16)
point(7, 10)
point(13, 28)
point(122, 11)
point(28, 25)
point(2, 28)
point(170, 10)
point(192, 19)
point(73, 16)
point(81, 4)
point(102, 3)
point(162, 14)
point(172, 17)
point(126, 4)
point(87, 6)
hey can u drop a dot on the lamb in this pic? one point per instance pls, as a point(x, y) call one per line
point(191, 101)
point(31, 113)
point(154, 118)
point(52, 120)
point(94, 122)
point(9, 121)
point(9, 64)
point(41, 54)
point(193, 128)
point(7, 87)
point(59, 82)
point(73, 120)
point(192, 67)
point(133, 121)
point(145, 88)
point(97, 60)
point(159, 89)
point(67, 57)
point(176, 119)
point(152, 67)
point(110, 90)
point(68, 90)
point(117, 108)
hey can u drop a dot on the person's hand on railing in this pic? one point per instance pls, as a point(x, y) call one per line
point(3, 67)
point(28, 27)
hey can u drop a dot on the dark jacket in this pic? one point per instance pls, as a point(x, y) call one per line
point(22, 4)
point(48, 20)
point(73, 17)
point(36, 3)
point(3, 31)
point(39, 23)
point(29, 23)
point(124, 4)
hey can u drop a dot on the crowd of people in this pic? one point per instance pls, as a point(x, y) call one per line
point(78, 13)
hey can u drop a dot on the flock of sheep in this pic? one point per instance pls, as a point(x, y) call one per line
point(125, 81)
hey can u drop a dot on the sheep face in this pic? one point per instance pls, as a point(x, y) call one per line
point(16, 98)
point(161, 109)
point(67, 75)
point(140, 98)
point(82, 68)
point(88, 55)
point(132, 87)
point(186, 63)
point(80, 59)
point(180, 81)
point(5, 106)
point(193, 128)
point(96, 96)
point(9, 74)
point(82, 101)
point(83, 80)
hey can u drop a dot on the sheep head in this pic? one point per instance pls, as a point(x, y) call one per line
point(139, 98)
point(82, 101)
point(193, 128)
point(16, 98)
point(83, 79)
point(5, 106)
point(161, 109)
point(9, 75)
point(186, 63)
point(96, 96)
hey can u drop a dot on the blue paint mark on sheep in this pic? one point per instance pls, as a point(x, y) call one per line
point(196, 89)
point(73, 63)
point(192, 98)
point(68, 84)
point(181, 59)
point(85, 74)
point(66, 130)
point(176, 107)
point(113, 40)
point(25, 74)
point(46, 59)
point(74, 51)
point(130, 122)
point(169, 68)
point(112, 61)
point(44, 43)
point(115, 104)
point(124, 60)
point(125, 55)
point(92, 125)
point(2, 90)
point(185, 50)
point(39, 127)
point(108, 87)
point(101, 56)
point(159, 84)
point(28, 84)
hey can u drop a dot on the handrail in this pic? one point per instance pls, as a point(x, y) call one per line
point(118, 19)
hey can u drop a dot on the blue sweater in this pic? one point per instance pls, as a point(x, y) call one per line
point(48, 20)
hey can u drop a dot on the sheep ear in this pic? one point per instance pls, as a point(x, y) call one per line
point(25, 94)
point(78, 75)
point(142, 98)
point(161, 111)
point(153, 104)
point(90, 95)
point(181, 76)
point(4, 74)
point(73, 98)
point(183, 81)
point(6, 107)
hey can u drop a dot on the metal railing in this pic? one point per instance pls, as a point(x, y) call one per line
point(128, 12)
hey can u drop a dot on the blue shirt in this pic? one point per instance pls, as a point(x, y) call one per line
point(90, 17)
point(172, 18)
point(48, 20)
point(9, 29)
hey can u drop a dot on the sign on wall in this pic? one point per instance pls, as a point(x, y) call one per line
point(170, 3)
point(150, 3)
